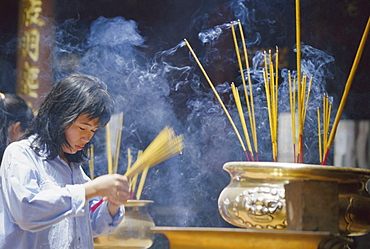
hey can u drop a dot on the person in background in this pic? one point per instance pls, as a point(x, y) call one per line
point(45, 197)
point(15, 117)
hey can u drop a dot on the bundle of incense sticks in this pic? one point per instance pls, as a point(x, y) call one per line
point(163, 147)
point(113, 160)
point(270, 77)
point(273, 108)
point(323, 134)
point(91, 160)
point(249, 100)
point(299, 95)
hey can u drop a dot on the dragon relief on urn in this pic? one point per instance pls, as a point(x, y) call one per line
point(260, 207)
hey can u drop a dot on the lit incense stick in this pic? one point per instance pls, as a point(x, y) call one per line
point(346, 89)
point(325, 117)
point(307, 98)
point(129, 158)
point(164, 146)
point(91, 160)
point(319, 133)
point(298, 38)
point(298, 48)
point(134, 177)
point(292, 112)
point(216, 94)
point(268, 98)
point(245, 90)
point(109, 150)
point(118, 143)
point(242, 119)
point(252, 117)
point(141, 183)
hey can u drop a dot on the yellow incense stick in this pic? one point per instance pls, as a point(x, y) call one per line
point(328, 117)
point(244, 85)
point(272, 95)
point(91, 161)
point(298, 38)
point(299, 125)
point(274, 100)
point(216, 94)
point(237, 54)
point(164, 146)
point(347, 87)
point(273, 109)
point(129, 158)
point(307, 98)
point(268, 98)
point(141, 183)
point(118, 143)
point(277, 72)
point(301, 91)
point(241, 70)
point(294, 87)
point(325, 117)
point(327, 120)
point(134, 177)
point(252, 117)
point(133, 183)
point(295, 116)
point(298, 48)
point(241, 116)
point(303, 96)
point(109, 150)
point(266, 63)
point(277, 88)
point(292, 108)
point(319, 133)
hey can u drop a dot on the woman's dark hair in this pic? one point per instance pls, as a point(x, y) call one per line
point(72, 96)
point(13, 109)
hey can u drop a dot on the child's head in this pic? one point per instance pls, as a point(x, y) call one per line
point(75, 95)
point(15, 117)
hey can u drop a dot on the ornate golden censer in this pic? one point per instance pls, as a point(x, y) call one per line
point(256, 195)
point(134, 230)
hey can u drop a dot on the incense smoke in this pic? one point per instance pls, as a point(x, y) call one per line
point(169, 89)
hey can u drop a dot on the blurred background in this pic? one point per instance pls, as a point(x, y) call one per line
point(136, 47)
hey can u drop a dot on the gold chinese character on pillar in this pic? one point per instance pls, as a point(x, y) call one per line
point(31, 13)
point(30, 80)
point(35, 45)
point(30, 44)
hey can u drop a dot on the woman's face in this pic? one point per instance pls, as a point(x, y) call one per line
point(80, 133)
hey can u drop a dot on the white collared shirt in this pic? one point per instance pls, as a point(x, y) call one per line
point(42, 203)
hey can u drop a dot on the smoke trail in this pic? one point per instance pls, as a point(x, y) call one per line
point(169, 89)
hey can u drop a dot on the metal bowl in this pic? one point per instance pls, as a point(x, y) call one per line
point(255, 196)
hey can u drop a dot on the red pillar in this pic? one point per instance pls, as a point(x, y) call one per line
point(35, 49)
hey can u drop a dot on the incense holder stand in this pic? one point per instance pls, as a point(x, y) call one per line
point(133, 231)
point(291, 196)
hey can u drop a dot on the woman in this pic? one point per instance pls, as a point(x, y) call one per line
point(15, 117)
point(45, 196)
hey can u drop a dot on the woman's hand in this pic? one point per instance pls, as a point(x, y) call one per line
point(114, 188)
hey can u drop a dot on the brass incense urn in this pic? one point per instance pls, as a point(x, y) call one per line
point(256, 197)
point(133, 231)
